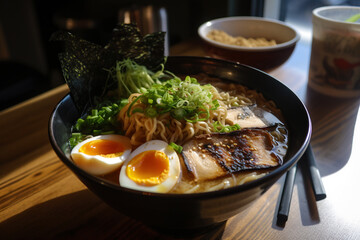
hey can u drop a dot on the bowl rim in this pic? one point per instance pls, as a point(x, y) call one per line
point(276, 173)
point(316, 16)
point(293, 41)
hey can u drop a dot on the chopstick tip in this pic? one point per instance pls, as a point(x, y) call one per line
point(281, 220)
point(320, 196)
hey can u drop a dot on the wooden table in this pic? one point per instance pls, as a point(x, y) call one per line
point(41, 198)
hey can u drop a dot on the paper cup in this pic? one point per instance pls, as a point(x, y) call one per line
point(335, 53)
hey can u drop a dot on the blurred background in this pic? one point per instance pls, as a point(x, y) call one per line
point(29, 64)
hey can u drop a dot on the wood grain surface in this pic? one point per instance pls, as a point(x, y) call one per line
point(41, 199)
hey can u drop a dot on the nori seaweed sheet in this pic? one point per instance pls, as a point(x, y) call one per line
point(84, 64)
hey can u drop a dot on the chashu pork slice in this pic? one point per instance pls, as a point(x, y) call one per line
point(214, 155)
point(250, 117)
point(245, 117)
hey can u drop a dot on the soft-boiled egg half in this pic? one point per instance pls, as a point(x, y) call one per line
point(152, 167)
point(101, 154)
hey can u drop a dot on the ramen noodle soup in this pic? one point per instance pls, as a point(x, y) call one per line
point(236, 136)
point(223, 37)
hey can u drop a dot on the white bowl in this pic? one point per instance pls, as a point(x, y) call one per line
point(260, 57)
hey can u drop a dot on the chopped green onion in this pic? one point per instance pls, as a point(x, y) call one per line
point(179, 113)
point(75, 139)
point(353, 18)
point(216, 104)
point(132, 103)
point(79, 124)
point(218, 127)
point(139, 110)
point(123, 102)
point(96, 132)
point(185, 100)
point(100, 120)
point(133, 78)
point(151, 112)
point(176, 147)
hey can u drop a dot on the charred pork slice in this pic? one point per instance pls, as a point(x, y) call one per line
point(214, 155)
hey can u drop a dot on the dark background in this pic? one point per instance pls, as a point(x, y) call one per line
point(28, 61)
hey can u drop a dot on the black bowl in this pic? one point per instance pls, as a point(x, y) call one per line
point(186, 211)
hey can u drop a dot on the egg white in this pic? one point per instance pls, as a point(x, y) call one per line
point(174, 171)
point(100, 165)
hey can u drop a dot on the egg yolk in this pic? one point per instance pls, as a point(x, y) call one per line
point(103, 147)
point(148, 168)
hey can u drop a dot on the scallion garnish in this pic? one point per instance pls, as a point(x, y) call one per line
point(101, 120)
point(132, 103)
point(132, 77)
point(176, 147)
point(218, 127)
point(151, 112)
point(184, 99)
point(178, 113)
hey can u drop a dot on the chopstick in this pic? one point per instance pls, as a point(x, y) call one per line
point(284, 206)
point(309, 162)
point(316, 182)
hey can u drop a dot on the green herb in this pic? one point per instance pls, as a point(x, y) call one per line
point(183, 99)
point(132, 103)
point(151, 112)
point(353, 18)
point(178, 113)
point(218, 127)
point(176, 147)
point(75, 139)
point(132, 77)
point(100, 121)
point(139, 110)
